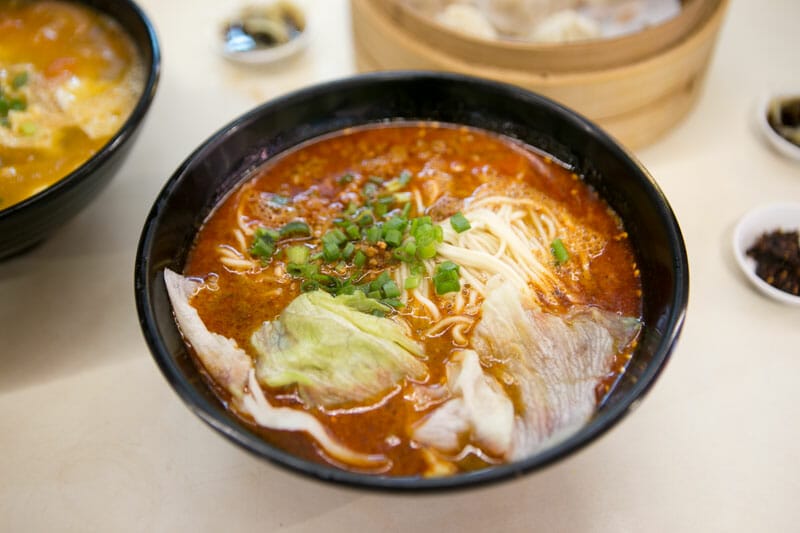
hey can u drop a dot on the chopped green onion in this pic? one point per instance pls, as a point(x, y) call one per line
point(359, 259)
point(322, 278)
point(393, 238)
point(264, 243)
point(390, 289)
point(17, 104)
point(347, 178)
point(410, 248)
point(365, 219)
point(445, 278)
point(308, 286)
point(447, 266)
point(297, 254)
point(379, 282)
point(334, 236)
point(395, 223)
point(330, 251)
point(352, 231)
point(459, 222)
point(392, 302)
point(351, 208)
point(427, 251)
point(262, 249)
point(20, 80)
point(412, 282)
point(559, 251)
point(420, 221)
point(348, 250)
point(295, 228)
point(373, 234)
point(443, 286)
point(296, 270)
point(28, 128)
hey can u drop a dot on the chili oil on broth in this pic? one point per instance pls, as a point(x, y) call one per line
point(69, 78)
point(449, 165)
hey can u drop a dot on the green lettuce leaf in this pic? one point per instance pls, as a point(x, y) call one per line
point(336, 353)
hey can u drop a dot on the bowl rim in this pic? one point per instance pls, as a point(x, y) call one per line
point(598, 424)
point(88, 167)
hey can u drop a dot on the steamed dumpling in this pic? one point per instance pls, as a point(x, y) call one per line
point(516, 18)
point(565, 26)
point(467, 19)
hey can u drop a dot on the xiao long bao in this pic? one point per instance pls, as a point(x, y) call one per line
point(411, 299)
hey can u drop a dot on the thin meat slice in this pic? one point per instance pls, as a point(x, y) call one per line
point(554, 362)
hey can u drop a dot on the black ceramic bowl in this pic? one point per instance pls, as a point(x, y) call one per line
point(226, 158)
point(25, 224)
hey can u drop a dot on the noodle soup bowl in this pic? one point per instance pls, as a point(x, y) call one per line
point(27, 223)
point(229, 157)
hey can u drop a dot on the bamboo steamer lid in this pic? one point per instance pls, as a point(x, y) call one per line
point(637, 87)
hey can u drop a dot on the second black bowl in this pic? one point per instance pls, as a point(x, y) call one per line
point(32, 220)
point(225, 160)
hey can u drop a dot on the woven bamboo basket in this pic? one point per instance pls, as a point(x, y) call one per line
point(637, 87)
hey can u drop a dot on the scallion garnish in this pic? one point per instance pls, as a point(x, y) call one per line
point(445, 278)
point(330, 251)
point(296, 228)
point(393, 238)
point(390, 289)
point(348, 250)
point(459, 222)
point(559, 251)
point(359, 259)
point(297, 255)
point(264, 243)
point(19, 80)
point(373, 234)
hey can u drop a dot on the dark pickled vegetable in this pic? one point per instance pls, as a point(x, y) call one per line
point(784, 117)
point(777, 256)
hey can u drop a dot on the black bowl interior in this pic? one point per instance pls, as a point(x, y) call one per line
point(35, 218)
point(227, 158)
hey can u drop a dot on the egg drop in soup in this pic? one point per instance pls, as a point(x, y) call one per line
point(69, 78)
point(411, 299)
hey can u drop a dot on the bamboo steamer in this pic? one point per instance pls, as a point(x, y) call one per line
point(636, 87)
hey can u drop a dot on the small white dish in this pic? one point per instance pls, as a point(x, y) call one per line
point(782, 145)
point(262, 56)
point(782, 216)
point(278, 20)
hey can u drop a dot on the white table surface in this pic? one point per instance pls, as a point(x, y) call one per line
point(92, 438)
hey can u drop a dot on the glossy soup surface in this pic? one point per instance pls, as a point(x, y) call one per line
point(69, 78)
point(449, 166)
